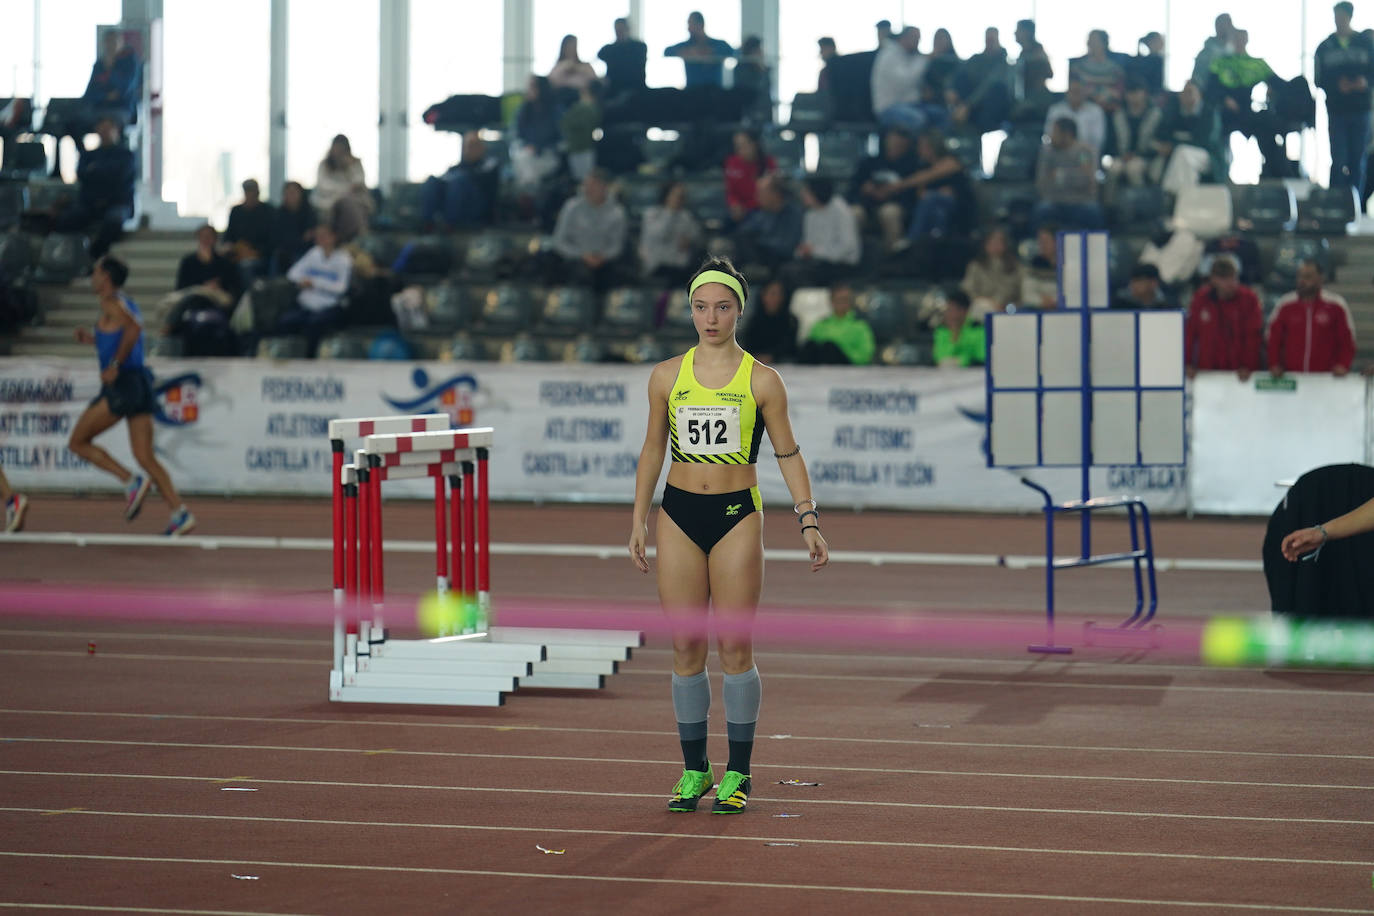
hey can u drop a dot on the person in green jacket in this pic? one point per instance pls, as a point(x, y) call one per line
point(1234, 77)
point(842, 338)
point(959, 342)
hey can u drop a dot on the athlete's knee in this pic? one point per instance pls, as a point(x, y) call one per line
point(78, 443)
point(689, 655)
point(736, 654)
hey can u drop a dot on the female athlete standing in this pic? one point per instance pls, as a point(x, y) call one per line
point(126, 393)
point(711, 406)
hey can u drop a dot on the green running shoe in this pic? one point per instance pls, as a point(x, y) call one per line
point(733, 793)
point(690, 788)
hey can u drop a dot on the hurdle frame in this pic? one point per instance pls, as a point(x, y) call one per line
point(476, 668)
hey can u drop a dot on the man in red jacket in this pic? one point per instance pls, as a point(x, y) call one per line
point(1311, 330)
point(1225, 326)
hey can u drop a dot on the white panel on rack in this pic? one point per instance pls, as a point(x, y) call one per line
point(1013, 355)
point(1061, 353)
point(1013, 436)
point(1115, 426)
point(1113, 352)
point(1062, 428)
point(1161, 349)
point(1161, 427)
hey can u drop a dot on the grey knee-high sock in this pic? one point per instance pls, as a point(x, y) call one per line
point(692, 707)
point(743, 696)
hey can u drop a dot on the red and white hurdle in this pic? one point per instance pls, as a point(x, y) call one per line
point(477, 667)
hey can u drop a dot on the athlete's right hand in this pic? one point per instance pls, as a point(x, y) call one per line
point(83, 335)
point(639, 536)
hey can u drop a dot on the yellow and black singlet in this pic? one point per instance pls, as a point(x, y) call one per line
point(714, 425)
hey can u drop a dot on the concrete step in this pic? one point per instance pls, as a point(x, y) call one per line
point(155, 248)
point(75, 299)
point(68, 317)
point(51, 334)
point(25, 347)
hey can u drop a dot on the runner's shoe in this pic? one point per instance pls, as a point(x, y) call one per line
point(690, 788)
point(135, 492)
point(15, 507)
point(732, 794)
point(182, 521)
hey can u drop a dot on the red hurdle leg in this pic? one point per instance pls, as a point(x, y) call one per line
point(351, 544)
point(378, 474)
point(337, 489)
point(455, 503)
point(440, 536)
point(364, 536)
point(469, 529)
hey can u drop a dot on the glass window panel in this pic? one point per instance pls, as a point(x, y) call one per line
point(67, 46)
point(332, 83)
point(592, 21)
point(16, 49)
point(455, 49)
point(665, 24)
point(1063, 27)
point(205, 157)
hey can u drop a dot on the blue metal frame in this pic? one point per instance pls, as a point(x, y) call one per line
point(1137, 513)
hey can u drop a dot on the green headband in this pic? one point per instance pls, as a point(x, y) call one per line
point(717, 276)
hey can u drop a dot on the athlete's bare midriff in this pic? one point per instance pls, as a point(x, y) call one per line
point(712, 478)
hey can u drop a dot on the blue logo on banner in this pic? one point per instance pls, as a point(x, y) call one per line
point(452, 396)
point(981, 418)
point(178, 400)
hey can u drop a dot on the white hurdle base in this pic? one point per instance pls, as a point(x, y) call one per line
point(479, 669)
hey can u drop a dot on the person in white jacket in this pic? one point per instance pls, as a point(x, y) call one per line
point(340, 196)
point(669, 237)
point(322, 276)
point(896, 82)
point(830, 246)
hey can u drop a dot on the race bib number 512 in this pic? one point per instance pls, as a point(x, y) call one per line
point(708, 430)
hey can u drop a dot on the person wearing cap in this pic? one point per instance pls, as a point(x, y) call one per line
point(1143, 291)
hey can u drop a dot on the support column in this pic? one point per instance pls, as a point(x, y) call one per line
point(393, 92)
point(518, 57)
point(276, 106)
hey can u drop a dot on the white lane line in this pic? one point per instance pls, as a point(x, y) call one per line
point(602, 761)
point(135, 635)
point(914, 742)
point(990, 774)
point(92, 908)
point(1012, 809)
point(622, 879)
point(600, 551)
point(810, 841)
point(913, 679)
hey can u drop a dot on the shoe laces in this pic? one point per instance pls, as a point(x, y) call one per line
point(690, 784)
point(729, 784)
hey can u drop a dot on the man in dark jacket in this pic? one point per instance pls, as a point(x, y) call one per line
point(979, 95)
point(105, 196)
point(465, 196)
point(1344, 67)
point(624, 59)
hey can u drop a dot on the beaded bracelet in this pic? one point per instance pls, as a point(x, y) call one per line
point(802, 517)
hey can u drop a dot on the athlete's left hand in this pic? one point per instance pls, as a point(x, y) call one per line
point(109, 374)
point(820, 551)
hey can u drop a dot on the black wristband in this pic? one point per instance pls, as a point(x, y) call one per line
point(817, 527)
point(802, 516)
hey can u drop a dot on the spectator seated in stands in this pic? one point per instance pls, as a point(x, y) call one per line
point(743, 169)
point(771, 234)
point(979, 91)
point(703, 57)
point(579, 125)
point(876, 189)
point(1234, 77)
point(842, 338)
point(208, 286)
point(830, 246)
point(1040, 279)
point(898, 73)
point(625, 60)
point(1225, 325)
point(322, 276)
point(1033, 74)
point(293, 228)
point(1100, 71)
point(1131, 132)
point(464, 197)
point(249, 234)
point(1066, 180)
point(992, 280)
point(112, 91)
point(959, 340)
point(770, 334)
point(534, 156)
point(341, 197)
point(1087, 116)
point(571, 74)
point(669, 238)
point(1147, 67)
point(752, 78)
point(105, 179)
point(943, 186)
point(589, 237)
point(1311, 330)
point(1143, 291)
point(1188, 141)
